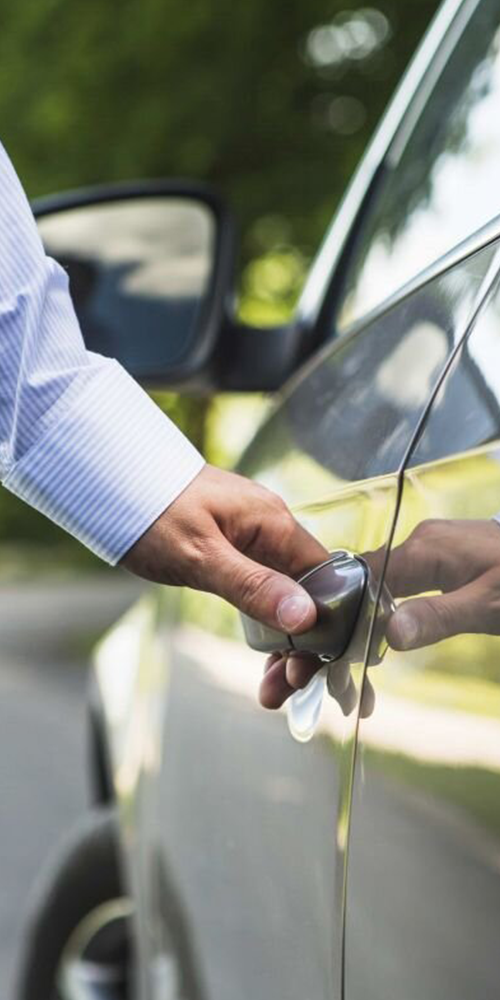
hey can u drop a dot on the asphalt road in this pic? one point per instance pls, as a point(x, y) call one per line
point(44, 629)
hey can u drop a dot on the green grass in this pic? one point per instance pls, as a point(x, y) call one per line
point(475, 695)
point(474, 790)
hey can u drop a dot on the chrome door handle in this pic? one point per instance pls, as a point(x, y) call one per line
point(337, 587)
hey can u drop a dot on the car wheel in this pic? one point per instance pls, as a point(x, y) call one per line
point(77, 942)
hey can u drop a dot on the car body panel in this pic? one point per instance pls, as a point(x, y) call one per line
point(423, 895)
point(249, 825)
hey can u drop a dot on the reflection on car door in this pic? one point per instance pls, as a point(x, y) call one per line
point(423, 899)
point(251, 823)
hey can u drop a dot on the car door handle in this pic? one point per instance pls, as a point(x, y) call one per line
point(337, 587)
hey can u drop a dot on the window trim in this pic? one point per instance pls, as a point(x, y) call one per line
point(477, 241)
point(484, 237)
point(318, 298)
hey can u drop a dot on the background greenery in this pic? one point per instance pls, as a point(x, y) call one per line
point(271, 102)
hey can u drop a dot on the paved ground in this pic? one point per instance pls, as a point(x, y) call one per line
point(42, 709)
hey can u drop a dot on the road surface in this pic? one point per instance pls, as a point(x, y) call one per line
point(44, 629)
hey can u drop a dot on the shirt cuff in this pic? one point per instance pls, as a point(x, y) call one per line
point(108, 467)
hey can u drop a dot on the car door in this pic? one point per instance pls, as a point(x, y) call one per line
point(423, 899)
point(248, 823)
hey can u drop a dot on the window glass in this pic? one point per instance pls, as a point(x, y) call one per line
point(354, 412)
point(443, 184)
point(466, 411)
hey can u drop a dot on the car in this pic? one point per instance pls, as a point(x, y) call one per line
point(347, 847)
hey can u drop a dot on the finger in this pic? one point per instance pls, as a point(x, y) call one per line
point(376, 560)
point(300, 669)
point(348, 699)
point(423, 621)
point(260, 592)
point(367, 699)
point(431, 558)
point(273, 658)
point(285, 545)
point(304, 551)
point(412, 569)
point(274, 687)
point(338, 678)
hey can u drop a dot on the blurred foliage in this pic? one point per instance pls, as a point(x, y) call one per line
point(270, 285)
point(256, 99)
point(271, 103)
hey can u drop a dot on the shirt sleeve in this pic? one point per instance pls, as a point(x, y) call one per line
point(79, 439)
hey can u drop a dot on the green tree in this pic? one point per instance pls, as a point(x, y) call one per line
point(272, 103)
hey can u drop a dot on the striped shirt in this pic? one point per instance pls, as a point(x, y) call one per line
point(79, 439)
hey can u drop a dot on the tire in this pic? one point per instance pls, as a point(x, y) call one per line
point(86, 880)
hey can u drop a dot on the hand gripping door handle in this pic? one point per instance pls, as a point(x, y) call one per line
point(338, 587)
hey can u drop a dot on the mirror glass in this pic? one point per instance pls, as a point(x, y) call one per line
point(140, 275)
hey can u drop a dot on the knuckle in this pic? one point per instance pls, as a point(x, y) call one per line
point(288, 526)
point(278, 504)
point(254, 586)
point(432, 524)
point(443, 617)
point(204, 557)
point(422, 537)
point(424, 530)
point(269, 499)
point(415, 548)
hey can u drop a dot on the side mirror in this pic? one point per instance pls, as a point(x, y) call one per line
point(151, 270)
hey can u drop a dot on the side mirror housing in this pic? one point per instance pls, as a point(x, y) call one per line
point(151, 268)
point(151, 272)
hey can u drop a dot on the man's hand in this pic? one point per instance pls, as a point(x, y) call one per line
point(226, 535)
point(459, 558)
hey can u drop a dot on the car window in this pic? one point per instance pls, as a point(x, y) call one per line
point(442, 183)
point(352, 415)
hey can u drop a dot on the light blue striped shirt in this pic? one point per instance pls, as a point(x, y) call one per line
point(79, 439)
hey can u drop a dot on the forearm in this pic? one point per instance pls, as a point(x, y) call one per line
point(79, 440)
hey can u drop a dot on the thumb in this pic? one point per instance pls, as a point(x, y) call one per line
point(423, 621)
point(270, 597)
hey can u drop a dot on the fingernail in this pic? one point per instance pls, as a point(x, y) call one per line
point(292, 611)
point(408, 629)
